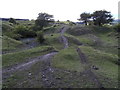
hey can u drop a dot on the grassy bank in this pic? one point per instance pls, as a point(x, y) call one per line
point(22, 56)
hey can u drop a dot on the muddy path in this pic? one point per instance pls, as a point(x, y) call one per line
point(46, 69)
point(28, 45)
point(64, 39)
point(48, 78)
point(52, 77)
point(93, 77)
point(28, 63)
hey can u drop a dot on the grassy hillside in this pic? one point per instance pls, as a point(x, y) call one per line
point(21, 56)
point(68, 59)
point(54, 40)
point(9, 43)
point(98, 44)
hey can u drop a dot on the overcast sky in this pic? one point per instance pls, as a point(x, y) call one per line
point(61, 9)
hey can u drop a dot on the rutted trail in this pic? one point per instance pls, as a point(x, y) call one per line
point(65, 41)
point(48, 78)
point(88, 71)
point(39, 58)
point(28, 64)
point(46, 69)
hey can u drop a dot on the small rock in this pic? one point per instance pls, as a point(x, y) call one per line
point(29, 74)
point(43, 76)
point(50, 69)
point(94, 67)
point(46, 79)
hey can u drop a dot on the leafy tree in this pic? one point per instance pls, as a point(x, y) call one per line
point(85, 17)
point(43, 20)
point(11, 20)
point(101, 17)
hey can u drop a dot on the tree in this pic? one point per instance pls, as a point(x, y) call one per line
point(11, 20)
point(101, 17)
point(43, 20)
point(85, 17)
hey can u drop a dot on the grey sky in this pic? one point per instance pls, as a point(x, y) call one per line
point(61, 9)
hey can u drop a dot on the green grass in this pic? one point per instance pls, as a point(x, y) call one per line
point(72, 40)
point(9, 43)
point(51, 29)
point(109, 42)
point(54, 41)
point(79, 30)
point(101, 30)
point(22, 56)
point(68, 59)
point(78, 40)
point(105, 62)
point(22, 79)
point(104, 55)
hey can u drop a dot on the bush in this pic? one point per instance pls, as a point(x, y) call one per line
point(40, 37)
point(35, 28)
point(24, 31)
point(16, 36)
point(117, 27)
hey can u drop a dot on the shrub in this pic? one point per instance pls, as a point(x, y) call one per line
point(24, 31)
point(40, 37)
point(35, 28)
point(16, 36)
point(117, 27)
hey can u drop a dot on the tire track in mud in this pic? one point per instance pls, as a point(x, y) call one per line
point(46, 69)
point(64, 39)
point(8, 71)
point(48, 78)
point(88, 71)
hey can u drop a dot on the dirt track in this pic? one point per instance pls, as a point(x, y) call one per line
point(49, 74)
point(88, 71)
point(46, 69)
point(64, 39)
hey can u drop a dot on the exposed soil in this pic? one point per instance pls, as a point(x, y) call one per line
point(29, 63)
point(47, 76)
point(46, 68)
point(56, 78)
point(64, 39)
